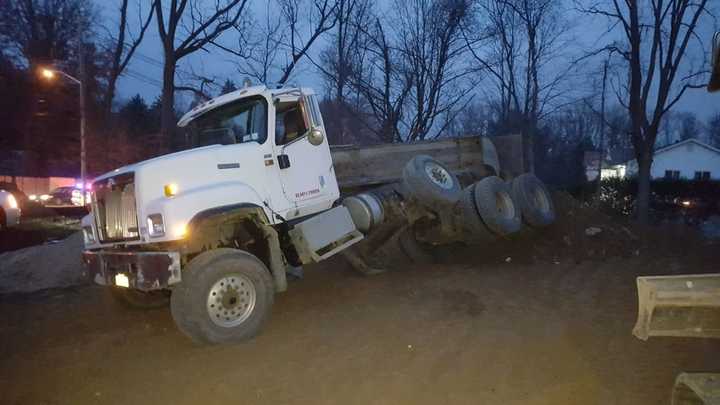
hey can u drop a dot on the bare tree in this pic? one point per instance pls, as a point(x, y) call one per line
point(198, 27)
point(381, 82)
point(321, 19)
point(341, 57)
point(338, 61)
point(281, 42)
point(520, 40)
point(123, 47)
point(432, 49)
point(37, 31)
point(656, 35)
point(409, 72)
point(258, 49)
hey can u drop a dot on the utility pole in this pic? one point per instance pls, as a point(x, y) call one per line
point(602, 127)
point(81, 60)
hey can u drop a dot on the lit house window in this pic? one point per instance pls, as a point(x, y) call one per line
point(702, 175)
point(672, 174)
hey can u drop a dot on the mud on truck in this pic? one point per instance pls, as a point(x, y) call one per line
point(215, 229)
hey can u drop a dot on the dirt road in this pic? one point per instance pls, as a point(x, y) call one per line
point(481, 333)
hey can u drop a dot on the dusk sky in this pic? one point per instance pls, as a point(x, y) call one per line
point(144, 75)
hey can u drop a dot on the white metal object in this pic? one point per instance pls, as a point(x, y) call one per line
point(326, 234)
point(687, 305)
point(365, 210)
point(231, 300)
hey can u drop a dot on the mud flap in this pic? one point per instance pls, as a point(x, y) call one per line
point(687, 305)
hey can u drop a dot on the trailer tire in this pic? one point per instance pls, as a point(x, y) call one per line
point(137, 299)
point(494, 203)
point(430, 182)
point(468, 219)
point(534, 200)
point(226, 296)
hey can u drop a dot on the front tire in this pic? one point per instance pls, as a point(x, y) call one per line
point(226, 296)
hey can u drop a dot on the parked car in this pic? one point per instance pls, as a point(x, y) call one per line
point(9, 210)
point(67, 196)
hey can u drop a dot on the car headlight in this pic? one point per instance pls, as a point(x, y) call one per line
point(33, 197)
point(156, 227)
point(12, 202)
point(44, 197)
point(89, 235)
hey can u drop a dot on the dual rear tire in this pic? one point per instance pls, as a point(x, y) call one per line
point(533, 200)
point(493, 207)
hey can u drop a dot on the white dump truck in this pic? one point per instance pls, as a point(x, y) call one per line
point(216, 228)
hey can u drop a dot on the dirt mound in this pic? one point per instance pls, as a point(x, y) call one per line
point(581, 233)
point(40, 267)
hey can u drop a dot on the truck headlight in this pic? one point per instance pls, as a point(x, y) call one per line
point(170, 190)
point(156, 227)
point(89, 235)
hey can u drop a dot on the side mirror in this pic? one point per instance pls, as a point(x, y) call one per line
point(714, 84)
point(316, 136)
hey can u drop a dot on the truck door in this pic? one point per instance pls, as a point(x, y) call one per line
point(306, 170)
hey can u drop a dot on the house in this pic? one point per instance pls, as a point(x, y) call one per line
point(610, 167)
point(690, 159)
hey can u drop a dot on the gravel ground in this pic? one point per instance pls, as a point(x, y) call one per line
point(52, 265)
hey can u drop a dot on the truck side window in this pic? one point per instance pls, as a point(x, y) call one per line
point(289, 125)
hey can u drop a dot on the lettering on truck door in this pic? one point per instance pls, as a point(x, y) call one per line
point(308, 174)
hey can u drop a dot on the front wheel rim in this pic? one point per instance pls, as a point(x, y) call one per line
point(231, 300)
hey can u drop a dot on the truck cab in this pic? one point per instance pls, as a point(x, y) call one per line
point(255, 188)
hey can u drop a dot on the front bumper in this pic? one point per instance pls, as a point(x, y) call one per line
point(145, 270)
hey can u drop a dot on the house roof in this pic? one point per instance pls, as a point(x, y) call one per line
point(676, 145)
point(685, 142)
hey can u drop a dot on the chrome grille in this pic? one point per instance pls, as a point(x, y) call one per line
point(115, 210)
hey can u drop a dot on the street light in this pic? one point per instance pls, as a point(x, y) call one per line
point(49, 74)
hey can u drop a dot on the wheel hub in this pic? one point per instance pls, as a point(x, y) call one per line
point(231, 300)
point(438, 175)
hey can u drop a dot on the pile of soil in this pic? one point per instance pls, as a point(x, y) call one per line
point(52, 265)
point(581, 233)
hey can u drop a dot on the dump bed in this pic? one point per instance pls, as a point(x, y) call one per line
point(358, 166)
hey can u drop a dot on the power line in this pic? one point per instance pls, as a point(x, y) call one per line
point(143, 78)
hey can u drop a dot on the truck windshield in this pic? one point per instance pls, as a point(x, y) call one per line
point(239, 122)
